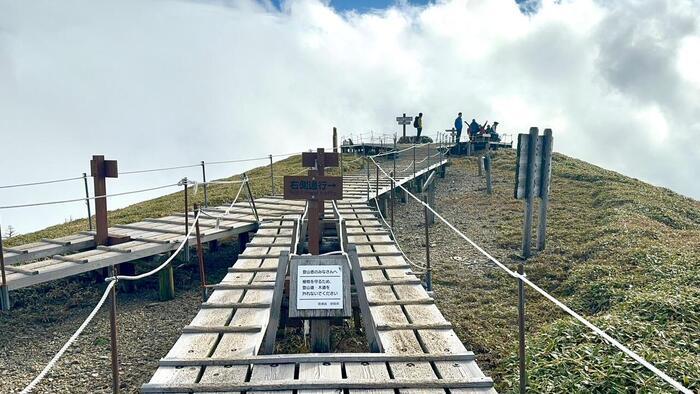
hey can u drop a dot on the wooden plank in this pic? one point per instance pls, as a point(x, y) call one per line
point(113, 249)
point(298, 358)
point(268, 346)
point(385, 267)
point(235, 305)
point(252, 269)
point(219, 329)
point(241, 286)
point(270, 373)
point(372, 338)
point(326, 379)
point(424, 301)
point(56, 242)
point(391, 282)
point(12, 268)
point(411, 326)
point(69, 259)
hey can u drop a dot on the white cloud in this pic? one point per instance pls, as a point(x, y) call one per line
point(167, 82)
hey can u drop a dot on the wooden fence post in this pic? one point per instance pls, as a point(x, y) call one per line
point(487, 168)
point(166, 280)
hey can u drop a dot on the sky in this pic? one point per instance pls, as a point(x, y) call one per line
point(162, 82)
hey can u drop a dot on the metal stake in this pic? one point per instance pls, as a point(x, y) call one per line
point(391, 197)
point(252, 200)
point(4, 293)
point(521, 331)
point(272, 178)
point(187, 221)
point(114, 336)
point(367, 164)
point(414, 162)
point(200, 256)
point(376, 192)
point(204, 179)
point(87, 201)
point(428, 269)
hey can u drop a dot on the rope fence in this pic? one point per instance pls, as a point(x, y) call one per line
point(678, 386)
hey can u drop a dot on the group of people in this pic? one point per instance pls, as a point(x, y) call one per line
point(474, 128)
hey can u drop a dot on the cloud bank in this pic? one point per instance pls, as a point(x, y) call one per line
point(157, 83)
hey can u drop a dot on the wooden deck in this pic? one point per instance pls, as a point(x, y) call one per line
point(419, 351)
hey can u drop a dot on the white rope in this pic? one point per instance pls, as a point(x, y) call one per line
point(41, 182)
point(556, 302)
point(160, 267)
point(72, 339)
point(159, 169)
point(393, 236)
point(228, 210)
point(87, 198)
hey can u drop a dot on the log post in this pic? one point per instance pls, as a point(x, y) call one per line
point(544, 188)
point(166, 279)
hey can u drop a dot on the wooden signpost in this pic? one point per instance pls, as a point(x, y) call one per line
point(320, 285)
point(403, 121)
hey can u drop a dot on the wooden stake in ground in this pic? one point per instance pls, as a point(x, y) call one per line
point(547, 144)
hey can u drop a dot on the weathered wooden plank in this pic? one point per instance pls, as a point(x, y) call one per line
point(318, 358)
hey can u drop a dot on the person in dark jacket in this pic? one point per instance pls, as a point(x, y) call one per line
point(458, 126)
point(474, 128)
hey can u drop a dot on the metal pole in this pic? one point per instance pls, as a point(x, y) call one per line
point(367, 164)
point(200, 256)
point(428, 270)
point(87, 201)
point(113, 335)
point(544, 188)
point(391, 196)
point(529, 192)
point(414, 162)
point(252, 200)
point(272, 177)
point(376, 192)
point(204, 179)
point(4, 293)
point(187, 221)
point(521, 331)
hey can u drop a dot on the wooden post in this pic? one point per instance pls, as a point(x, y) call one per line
point(187, 221)
point(101, 169)
point(272, 179)
point(529, 192)
point(166, 280)
point(544, 188)
point(87, 201)
point(200, 257)
point(487, 168)
point(335, 140)
point(376, 191)
point(204, 180)
point(4, 293)
point(320, 335)
point(367, 164)
point(392, 197)
point(114, 335)
point(480, 163)
point(428, 270)
point(404, 127)
point(521, 332)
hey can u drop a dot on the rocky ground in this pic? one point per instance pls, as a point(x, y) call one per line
point(44, 317)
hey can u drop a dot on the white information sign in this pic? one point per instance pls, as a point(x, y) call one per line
point(320, 287)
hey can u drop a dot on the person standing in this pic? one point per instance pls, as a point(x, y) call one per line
point(458, 126)
point(418, 124)
point(474, 128)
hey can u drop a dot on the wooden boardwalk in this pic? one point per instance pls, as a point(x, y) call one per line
point(223, 348)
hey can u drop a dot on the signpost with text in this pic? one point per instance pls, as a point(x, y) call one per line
point(403, 121)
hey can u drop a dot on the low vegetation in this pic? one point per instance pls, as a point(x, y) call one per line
point(621, 252)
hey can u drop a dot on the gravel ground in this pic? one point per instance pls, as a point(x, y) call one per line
point(44, 317)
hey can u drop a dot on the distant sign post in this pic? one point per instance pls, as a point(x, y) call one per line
point(403, 121)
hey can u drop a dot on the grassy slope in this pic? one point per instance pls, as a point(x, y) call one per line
point(620, 251)
point(174, 202)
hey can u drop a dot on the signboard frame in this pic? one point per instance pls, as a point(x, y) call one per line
point(301, 261)
point(326, 187)
point(404, 120)
point(330, 159)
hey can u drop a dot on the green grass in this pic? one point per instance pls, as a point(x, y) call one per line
point(619, 251)
point(174, 202)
